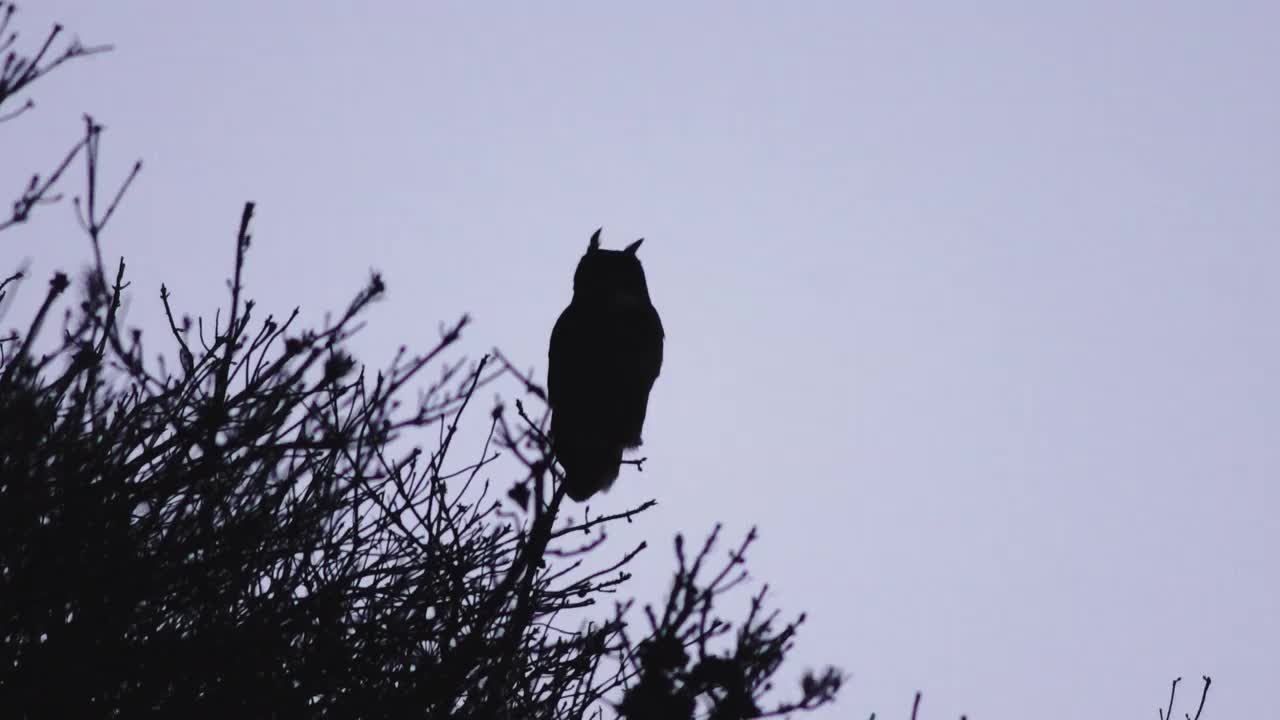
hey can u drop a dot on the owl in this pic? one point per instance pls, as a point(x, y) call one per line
point(606, 351)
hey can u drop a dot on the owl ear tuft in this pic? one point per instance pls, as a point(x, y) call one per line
point(633, 247)
point(595, 240)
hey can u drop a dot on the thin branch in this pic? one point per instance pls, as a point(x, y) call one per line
point(37, 192)
point(1203, 694)
point(1173, 690)
point(19, 71)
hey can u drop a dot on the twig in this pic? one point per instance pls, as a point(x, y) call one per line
point(28, 105)
point(19, 72)
point(587, 525)
point(233, 331)
point(5, 283)
point(36, 191)
point(1203, 694)
point(1173, 690)
point(185, 356)
point(57, 285)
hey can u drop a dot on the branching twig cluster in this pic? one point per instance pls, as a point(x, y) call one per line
point(678, 668)
point(1167, 712)
point(243, 531)
point(16, 75)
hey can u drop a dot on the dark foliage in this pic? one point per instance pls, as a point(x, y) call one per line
point(251, 533)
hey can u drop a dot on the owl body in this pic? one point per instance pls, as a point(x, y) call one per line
point(606, 352)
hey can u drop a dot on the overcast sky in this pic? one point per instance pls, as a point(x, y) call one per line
point(972, 312)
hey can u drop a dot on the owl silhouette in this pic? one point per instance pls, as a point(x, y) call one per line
point(606, 351)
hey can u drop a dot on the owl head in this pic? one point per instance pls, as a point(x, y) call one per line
point(610, 274)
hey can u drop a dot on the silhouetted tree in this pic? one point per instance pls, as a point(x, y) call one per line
point(250, 533)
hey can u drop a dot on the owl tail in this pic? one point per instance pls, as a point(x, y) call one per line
point(589, 467)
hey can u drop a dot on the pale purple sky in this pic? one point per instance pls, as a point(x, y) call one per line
point(973, 312)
